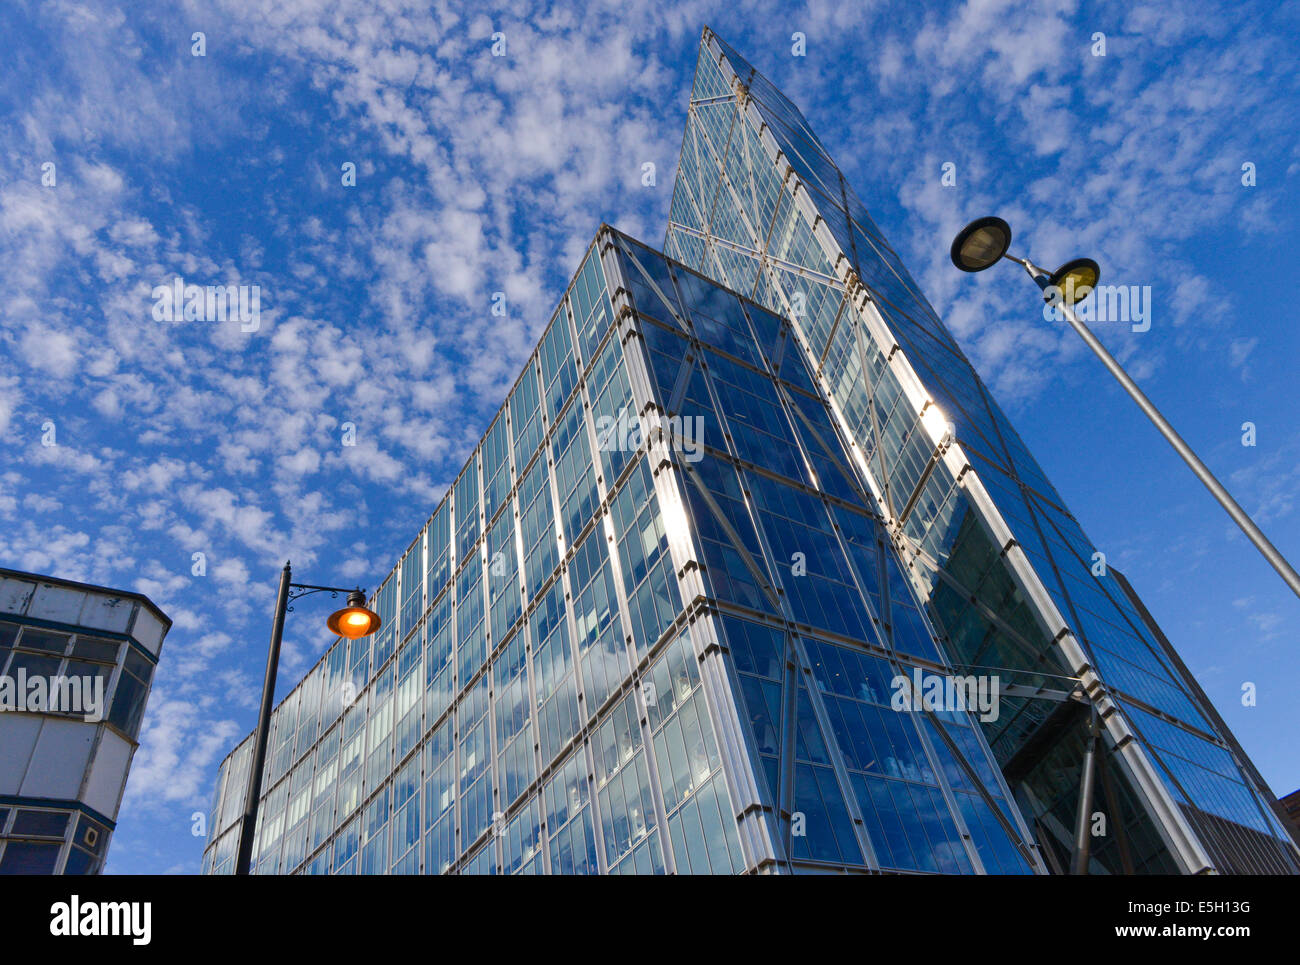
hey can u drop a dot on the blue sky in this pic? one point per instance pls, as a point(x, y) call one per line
point(478, 174)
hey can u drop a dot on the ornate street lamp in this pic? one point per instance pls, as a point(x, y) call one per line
point(353, 621)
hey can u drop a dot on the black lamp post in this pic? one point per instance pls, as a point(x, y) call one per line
point(984, 242)
point(353, 621)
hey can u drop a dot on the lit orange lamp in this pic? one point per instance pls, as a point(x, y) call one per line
point(354, 620)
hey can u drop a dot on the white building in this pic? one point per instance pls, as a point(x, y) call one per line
point(76, 664)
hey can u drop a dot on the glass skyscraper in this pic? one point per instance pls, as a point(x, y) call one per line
point(740, 498)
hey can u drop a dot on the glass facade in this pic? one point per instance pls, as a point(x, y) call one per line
point(650, 629)
point(659, 622)
point(1009, 578)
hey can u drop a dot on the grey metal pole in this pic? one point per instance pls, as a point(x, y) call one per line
point(1239, 516)
point(263, 728)
point(1082, 829)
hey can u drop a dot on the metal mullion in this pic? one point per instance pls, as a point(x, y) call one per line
point(793, 649)
point(950, 796)
point(838, 764)
point(578, 398)
point(878, 450)
point(694, 124)
point(638, 376)
point(788, 736)
point(749, 166)
point(523, 627)
point(756, 843)
point(1023, 831)
point(593, 802)
point(801, 418)
point(604, 517)
point(886, 629)
point(642, 706)
point(724, 183)
point(720, 158)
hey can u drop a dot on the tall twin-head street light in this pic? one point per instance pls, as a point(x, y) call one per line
point(353, 621)
point(985, 241)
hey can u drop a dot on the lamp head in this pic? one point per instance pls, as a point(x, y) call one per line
point(354, 620)
point(981, 244)
point(1076, 279)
